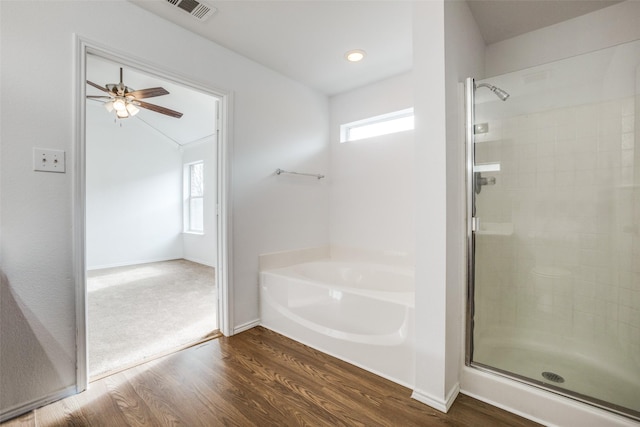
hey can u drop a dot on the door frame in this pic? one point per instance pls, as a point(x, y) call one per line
point(469, 114)
point(223, 269)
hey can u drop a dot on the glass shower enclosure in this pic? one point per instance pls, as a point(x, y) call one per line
point(553, 191)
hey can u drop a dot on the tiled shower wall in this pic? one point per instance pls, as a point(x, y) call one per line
point(569, 185)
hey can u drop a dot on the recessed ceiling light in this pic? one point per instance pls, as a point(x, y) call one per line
point(355, 55)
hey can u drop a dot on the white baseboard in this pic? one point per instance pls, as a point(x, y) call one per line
point(437, 403)
point(23, 408)
point(128, 263)
point(200, 261)
point(246, 326)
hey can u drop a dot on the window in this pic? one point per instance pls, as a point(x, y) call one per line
point(194, 197)
point(385, 124)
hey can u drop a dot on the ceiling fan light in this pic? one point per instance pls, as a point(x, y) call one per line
point(132, 109)
point(109, 106)
point(122, 114)
point(119, 105)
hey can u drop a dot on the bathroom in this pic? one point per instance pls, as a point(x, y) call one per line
point(497, 300)
point(447, 50)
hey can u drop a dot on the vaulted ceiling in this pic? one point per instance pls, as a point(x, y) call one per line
point(198, 108)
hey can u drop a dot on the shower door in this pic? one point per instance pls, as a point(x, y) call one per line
point(554, 227)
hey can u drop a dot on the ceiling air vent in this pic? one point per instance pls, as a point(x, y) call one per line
point(194, 8)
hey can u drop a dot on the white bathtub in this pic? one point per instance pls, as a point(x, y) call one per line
point(359, 312)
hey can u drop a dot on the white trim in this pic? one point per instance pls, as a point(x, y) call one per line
point(83, 47)
point(246, 326)
point(128, 263)
point(224, 208)
point(79, 213)
point(435, 402)
point(187, 169)
point(194, 233)
point(38, 403)
point(199, 261)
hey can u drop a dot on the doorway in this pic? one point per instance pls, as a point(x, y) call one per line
point(149, 277)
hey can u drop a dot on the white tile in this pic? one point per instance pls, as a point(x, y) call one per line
point(545, 180)
point(627, 158)
point(627, 176)
point(612, 309)
point(586, 177)
point(628, 140)
point(609, 110)
point(627, 106)
point(627, 124)
point(586, 160)
point(565, 131)
point(625, 314)
point(585, 288)
point(565, 178)
point(584, 304)
point(625, 296)
point(606, 293)
point(609, 159)
point(588, 240)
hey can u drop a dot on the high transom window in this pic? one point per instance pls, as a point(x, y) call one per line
point(384, 124)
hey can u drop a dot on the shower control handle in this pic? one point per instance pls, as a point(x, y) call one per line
point(480, 180)
point(491, 180)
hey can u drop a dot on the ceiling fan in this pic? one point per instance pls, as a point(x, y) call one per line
point(125, 101)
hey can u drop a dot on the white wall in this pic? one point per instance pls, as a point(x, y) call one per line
point(134, 193)
point(447, 48)
point(464, 58)
point(202, 248)
point(276, 123)
point(431, 202)
point(372, 180)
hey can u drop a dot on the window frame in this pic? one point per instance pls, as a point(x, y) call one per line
point(347, 128)
point(189, 197)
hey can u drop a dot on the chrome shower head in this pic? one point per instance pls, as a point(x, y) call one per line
point(503, 95)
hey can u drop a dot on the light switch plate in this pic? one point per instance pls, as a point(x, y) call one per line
point(46, 160)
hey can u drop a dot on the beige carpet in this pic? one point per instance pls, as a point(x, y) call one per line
point(137, 312)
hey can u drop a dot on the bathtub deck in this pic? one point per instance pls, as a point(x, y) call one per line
point(260, 378)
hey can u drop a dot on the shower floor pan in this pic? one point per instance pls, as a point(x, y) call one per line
point(604, 383)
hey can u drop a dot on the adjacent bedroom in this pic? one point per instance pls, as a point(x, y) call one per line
point(151, 238)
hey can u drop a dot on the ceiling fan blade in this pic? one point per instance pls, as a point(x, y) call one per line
point(158, 109)
point(97, 86)
point(98, 97)
point(148, 93)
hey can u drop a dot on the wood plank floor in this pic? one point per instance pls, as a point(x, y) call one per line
point(256, 378)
